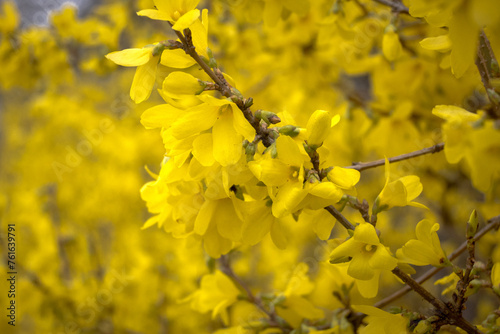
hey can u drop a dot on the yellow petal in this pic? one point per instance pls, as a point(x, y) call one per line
point(204, 217)
point(229, 224)
point(199, 33)
point(344, 178)
point(419, 253)
point(258, 222)
point(412, 185)
point(155, 14)
point(176, 59)
point(160, 116)
point(214, 244)
point(130, 57)
point(440, 43)
point(272, 172)
point(280, 233)
point(227, 143)
point(366, 234)
point(144, 80)
point(288, 198)
point(203, 149)
point(359, 267)
point(177, 84)
point(369, 288)
point(186, 20)
point(327, 190)
point(195, 120)
point(241, 125)
point(464, 35)
point(288, 151)
point(495, 275)
point(454, 113)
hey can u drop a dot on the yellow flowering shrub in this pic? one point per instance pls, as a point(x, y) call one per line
point(217, 187)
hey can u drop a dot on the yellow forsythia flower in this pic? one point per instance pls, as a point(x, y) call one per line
point(296, 307)
point(368, 257)
point(426, 249)
point(217, 292)
point(400, 192)
point(466, 139)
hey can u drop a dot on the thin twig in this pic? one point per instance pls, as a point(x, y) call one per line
point(362, 207)
point(360, 166)
point(443, 309)
point(397, 7)
point(341, 219)
point(487, 65)
point(418, 288)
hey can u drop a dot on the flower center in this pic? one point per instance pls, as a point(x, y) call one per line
point(176, 15)
point(370, 248)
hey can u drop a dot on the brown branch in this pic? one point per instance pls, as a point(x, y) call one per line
point(493, 223)
point(262, 132)
point(366, 165)
point(396, 6)
point(466, 278)
point(452, 317)
point(415, 286)
point(487, 65)
point(341, 219)
point(362, 207)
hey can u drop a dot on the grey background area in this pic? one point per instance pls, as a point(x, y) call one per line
point(36, 12)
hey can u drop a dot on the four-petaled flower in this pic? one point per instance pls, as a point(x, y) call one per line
point(368, 257)
point(400, 192)
point(217, 292)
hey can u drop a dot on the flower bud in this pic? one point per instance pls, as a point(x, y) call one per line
point(391, 46)
point(472, 225)
point(267, 116)
point(318, 128)
point(248, 102)
point(212, 63)
point(290, 130)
